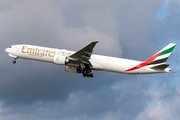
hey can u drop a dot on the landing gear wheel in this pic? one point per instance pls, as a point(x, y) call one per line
point(84, 75)
point(85, 71)
point(91, 75)
point(88, 75)
point(78, 71)
point(14, 61)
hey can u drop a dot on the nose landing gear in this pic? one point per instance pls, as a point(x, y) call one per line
point(14, 61)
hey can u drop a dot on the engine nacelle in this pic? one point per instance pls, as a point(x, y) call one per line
point(71, 69)
point(60, 60)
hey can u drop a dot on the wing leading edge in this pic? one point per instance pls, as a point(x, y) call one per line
point(83, 55)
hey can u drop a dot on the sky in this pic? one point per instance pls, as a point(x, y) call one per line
point(131, 29)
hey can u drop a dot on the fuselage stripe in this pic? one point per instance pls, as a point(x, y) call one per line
point(145, 63)
point(159, 61)
point(167, 51)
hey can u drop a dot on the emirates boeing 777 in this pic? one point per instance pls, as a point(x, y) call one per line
point(83, 61)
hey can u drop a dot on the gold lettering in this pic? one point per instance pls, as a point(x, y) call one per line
point(30, 50)
point(23, 48)
point(50, 52)
point(68, 53)
point(39, 51)
point(62, 52)
point(42, 53)
point(46, 52)
point(57, 59)
point(36, 51)
point(54, 53)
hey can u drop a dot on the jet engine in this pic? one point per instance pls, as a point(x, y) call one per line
point(71, 69)
point(60, 60)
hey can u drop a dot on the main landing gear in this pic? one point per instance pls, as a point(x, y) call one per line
point(14, 61)
point(85, 70)
point(88, 74)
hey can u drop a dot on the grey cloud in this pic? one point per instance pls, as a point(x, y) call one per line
point(96, 103)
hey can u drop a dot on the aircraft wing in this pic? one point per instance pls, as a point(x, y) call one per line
point(83, 55)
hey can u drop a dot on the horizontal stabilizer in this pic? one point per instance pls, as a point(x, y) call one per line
point(160, 67)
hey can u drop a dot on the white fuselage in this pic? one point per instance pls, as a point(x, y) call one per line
point(98, 62)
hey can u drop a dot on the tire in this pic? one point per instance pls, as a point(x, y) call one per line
point(78, 71)
point(84, 71)
point(91, 75)
point(14, 62)
point(84, 75)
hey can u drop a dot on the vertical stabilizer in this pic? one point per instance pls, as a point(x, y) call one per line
point(159, 58)
point(163, 54)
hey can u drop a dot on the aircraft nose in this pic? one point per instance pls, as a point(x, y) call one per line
point(7, 50)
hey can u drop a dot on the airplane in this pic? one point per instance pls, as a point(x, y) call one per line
point(83, 61)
